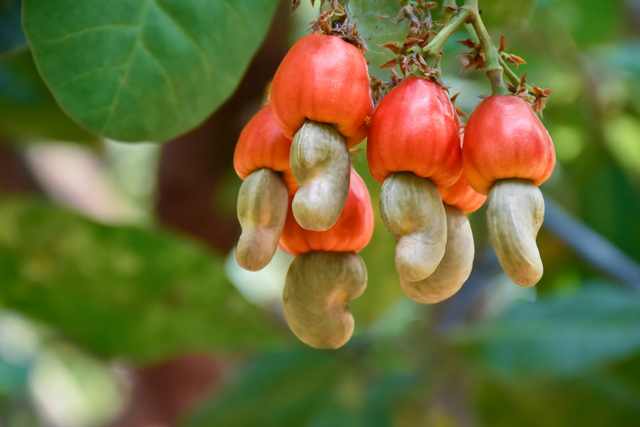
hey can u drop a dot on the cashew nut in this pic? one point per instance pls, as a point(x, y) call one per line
point(316, 292)
point(321, 165)
point(514, 216)
point(262, 209)
point(411, 208)
point(455, 267)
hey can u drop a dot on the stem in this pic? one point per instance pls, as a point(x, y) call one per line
point(434, 48)
point(445, 17)
point(446, 12)
point(508, 72)
point(510, 75)
point(494, 69)
point(472, 33)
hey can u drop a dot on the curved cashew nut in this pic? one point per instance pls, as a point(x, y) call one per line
point(514, 215)
point(262, 209)
point(318, 287)
point(321, 165)
point(455, 267)
point(411, 208)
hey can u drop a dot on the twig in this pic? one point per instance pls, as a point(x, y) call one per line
point(592, 247)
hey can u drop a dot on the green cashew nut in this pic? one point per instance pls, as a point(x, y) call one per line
point(455, 267)
point(321, 165)
point(316, 292)
point(262, 210)
point(411, 208)
point(514, 215)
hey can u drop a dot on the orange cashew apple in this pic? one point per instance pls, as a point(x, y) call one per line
point(261, 159)
point(327, 272)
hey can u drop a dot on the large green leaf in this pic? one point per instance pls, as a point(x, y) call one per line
point(135, 70)
point(560, 336)
point(120, 291)
point(28, 111)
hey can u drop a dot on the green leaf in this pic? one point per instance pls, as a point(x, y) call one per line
point(28, 111)
point(135, 70)
point(279, 389)
point(560, 336)
point(124, 291)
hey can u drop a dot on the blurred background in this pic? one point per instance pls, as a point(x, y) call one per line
point(121, 303)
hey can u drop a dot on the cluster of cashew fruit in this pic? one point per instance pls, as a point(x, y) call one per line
point(300, 191)
point(414, 150)
point(431, 178)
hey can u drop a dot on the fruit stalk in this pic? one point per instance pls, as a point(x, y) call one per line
point(490, 52)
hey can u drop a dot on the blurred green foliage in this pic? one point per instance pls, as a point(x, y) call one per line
point(142, 294)
point(558, 336)
point(569, 357)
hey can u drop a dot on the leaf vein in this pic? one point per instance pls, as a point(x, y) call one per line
point(182, 29)
point(84, 73)
point(85, 30)
point(131, 56)
point(165, 74)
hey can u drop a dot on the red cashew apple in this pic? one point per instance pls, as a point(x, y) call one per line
point(413, 147)
point(507, 154)
point(321, 98)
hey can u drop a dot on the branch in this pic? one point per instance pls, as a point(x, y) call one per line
point(434, 48)
point(592, 247)
point(490, 52)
